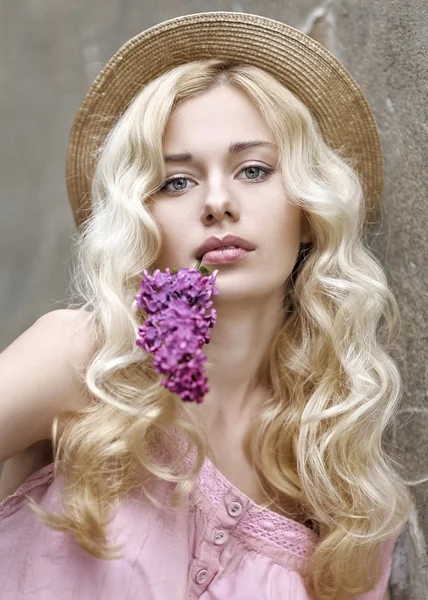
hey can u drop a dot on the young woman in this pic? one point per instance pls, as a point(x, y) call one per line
point(276, 485)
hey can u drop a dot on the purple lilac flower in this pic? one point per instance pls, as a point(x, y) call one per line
point(177, 326)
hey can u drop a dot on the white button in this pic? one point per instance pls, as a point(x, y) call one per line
point(201, 576)
point(234, 509)
point(221, 537)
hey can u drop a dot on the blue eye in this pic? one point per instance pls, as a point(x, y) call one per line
point(172, 180)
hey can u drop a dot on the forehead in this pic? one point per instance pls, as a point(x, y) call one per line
point(223, 114)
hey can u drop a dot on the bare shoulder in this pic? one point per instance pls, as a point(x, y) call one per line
point(40, 376)
point(70, 333)
point(72, 327)
point(66, 319)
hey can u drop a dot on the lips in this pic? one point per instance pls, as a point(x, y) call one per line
point(213, 243)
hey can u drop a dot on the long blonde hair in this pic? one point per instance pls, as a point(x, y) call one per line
point(335, 388)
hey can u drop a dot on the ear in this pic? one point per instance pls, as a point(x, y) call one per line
point(305, 229)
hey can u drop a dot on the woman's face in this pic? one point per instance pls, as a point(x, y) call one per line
point(216, 193)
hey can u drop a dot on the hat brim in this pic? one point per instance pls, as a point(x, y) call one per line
point(306, 67)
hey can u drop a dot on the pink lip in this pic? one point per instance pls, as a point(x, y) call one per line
point(224, 256)
point(215, 243)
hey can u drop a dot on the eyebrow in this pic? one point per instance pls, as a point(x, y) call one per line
point(234, 148)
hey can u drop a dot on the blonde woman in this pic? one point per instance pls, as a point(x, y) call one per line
point(212, 130)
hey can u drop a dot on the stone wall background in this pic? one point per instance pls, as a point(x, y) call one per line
point(50, 53)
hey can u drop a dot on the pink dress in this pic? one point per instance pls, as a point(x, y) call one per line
point(221, 546)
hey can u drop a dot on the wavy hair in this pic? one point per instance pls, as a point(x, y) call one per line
point(334, 386)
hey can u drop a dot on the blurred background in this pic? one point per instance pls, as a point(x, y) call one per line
point(52, 50)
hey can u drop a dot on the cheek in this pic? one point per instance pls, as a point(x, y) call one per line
point(174, 234)
point(280, 223)
point(170, 217)
point(160, 217)
point(164, 220)
point(290, 218)
point(283, 237)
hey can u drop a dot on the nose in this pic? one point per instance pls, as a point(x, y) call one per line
point(219, 205)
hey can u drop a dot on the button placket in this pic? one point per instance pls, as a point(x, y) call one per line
point(201, 576)
point(234, 509)
point(218, 533)
point(220, 537)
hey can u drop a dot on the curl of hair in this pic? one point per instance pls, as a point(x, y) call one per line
point(335, 387)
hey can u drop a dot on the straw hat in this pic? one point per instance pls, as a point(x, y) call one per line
point(308, 69)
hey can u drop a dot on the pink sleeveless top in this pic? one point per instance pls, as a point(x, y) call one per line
point(221, 546)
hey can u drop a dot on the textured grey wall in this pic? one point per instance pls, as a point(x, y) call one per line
point(52, 50)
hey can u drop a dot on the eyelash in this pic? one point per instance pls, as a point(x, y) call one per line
point(267, 172)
